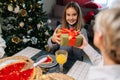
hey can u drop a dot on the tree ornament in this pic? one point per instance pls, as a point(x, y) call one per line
point(30, 19)
point(9, 27)
point(16, 40)
point(10, 1)
point(34, 40)
point(25, 40)
point(21, 24)
point(15, 0)
point(10, 8)
point(46, 32)
point(30, 27)
point(23, 12)
point(31, 6)
point(17, 9)
point(29, 10)
point(38, 26)
point(37, 5)
point(23, 5)
point(29, 31)
point(49, 21)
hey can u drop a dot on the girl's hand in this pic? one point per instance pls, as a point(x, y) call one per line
point(77, 32)
point(56, 36)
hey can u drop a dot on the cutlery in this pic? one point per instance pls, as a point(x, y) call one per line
point(35, 64)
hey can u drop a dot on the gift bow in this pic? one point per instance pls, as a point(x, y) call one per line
point(70, 32)
point(72, 35)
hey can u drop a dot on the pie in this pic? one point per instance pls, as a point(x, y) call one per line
point(13, 69)
point(49, 60)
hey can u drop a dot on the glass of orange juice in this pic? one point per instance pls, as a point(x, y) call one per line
point(61, 58)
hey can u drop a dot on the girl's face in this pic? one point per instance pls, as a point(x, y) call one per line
point(71, 16)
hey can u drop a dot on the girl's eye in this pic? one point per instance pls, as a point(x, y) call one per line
point(74, 14)
point(68, 14)
point(71, 14)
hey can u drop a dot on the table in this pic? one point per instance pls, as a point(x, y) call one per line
point(78, 71)
point(28, 52)
point(34, 54)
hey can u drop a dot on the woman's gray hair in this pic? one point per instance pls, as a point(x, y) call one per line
point(107, 22)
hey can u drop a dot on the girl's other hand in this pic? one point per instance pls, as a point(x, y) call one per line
point(56, 37)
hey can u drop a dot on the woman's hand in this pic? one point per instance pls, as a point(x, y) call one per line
point(84, 43)
point(56, 36)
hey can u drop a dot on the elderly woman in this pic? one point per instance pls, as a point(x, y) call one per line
point(107, 39)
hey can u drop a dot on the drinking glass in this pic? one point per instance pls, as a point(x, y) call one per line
point(61, 58)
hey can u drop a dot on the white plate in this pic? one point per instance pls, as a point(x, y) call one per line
point(47, 65)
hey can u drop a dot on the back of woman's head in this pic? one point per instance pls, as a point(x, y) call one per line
point(108, 23)
point(76, 6)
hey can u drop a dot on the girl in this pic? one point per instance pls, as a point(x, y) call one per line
point(72, 18)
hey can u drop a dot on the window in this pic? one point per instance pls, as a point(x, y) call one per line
point(104, 3)
point(101, 1)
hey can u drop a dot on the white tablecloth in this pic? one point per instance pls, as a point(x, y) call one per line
point(28, 52)
point(79, 70)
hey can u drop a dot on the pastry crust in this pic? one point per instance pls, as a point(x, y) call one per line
point(56, 76)
point(37, 72)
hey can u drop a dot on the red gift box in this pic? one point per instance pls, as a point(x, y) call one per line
point(70, 36)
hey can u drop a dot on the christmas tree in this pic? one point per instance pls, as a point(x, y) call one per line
point(24, 24)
